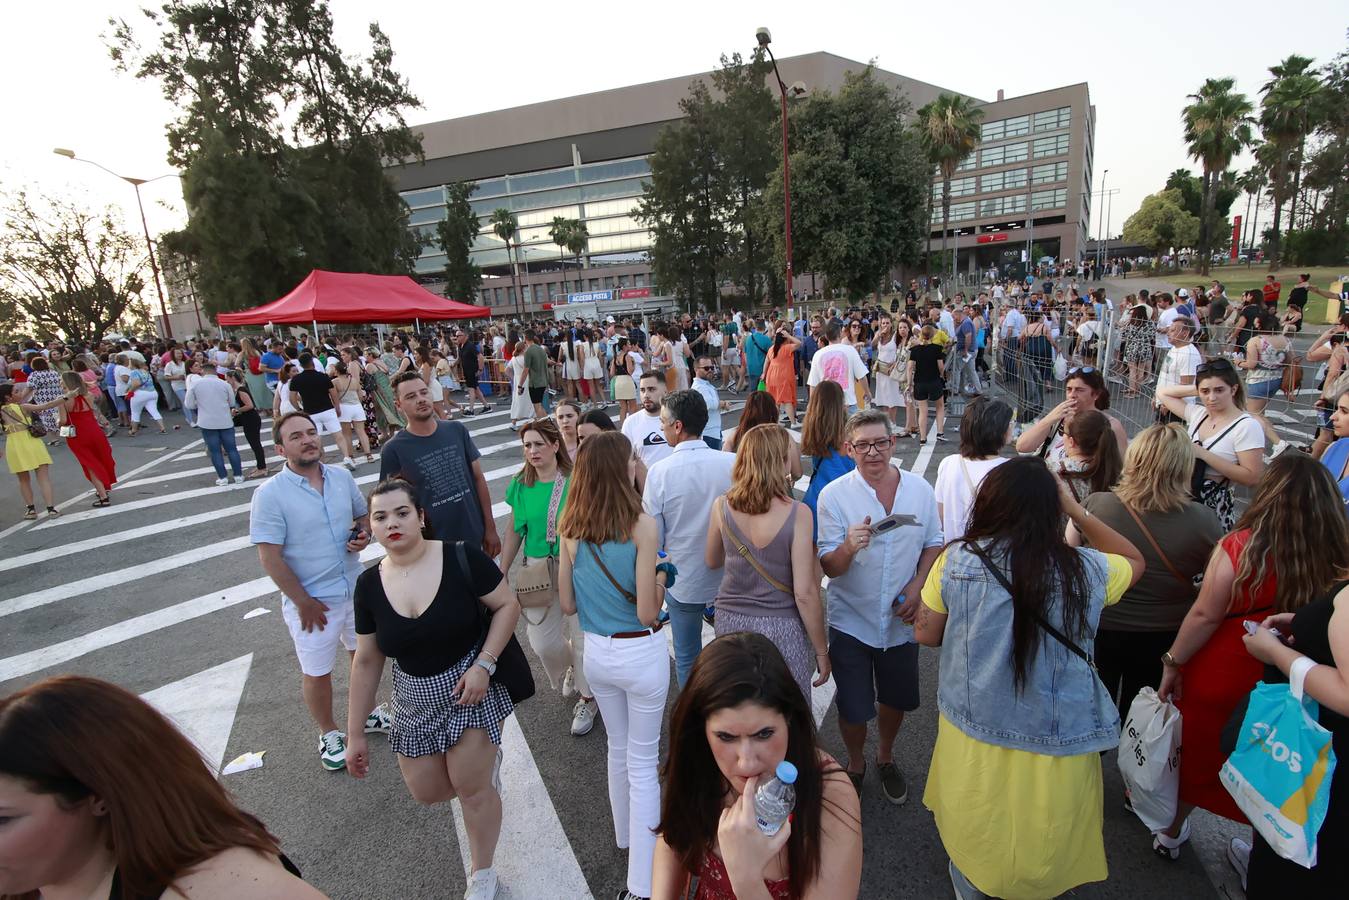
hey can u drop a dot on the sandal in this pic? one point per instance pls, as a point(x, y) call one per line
point(31, 513)
point(53, 512)
point(102, 502)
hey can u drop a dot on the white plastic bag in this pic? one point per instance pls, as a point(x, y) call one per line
point(1060, 366)
point(1149, 758)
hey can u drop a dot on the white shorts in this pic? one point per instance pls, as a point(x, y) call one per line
point(351, 412)
point(317, 649)
point(326, 422)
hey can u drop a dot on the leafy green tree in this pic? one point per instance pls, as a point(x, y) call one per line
point(949, 130)
point(68, 270)
point(506, 227)
point(455, 235)
point(1287, 103)
point(1217, 127)
point(282, 139)
point(1162, 223)
point(860, 181)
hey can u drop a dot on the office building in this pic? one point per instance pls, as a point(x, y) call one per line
point(586, 158)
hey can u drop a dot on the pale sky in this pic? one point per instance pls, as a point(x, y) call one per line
point(1140, 59)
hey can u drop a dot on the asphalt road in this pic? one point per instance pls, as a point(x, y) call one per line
point(161, 593)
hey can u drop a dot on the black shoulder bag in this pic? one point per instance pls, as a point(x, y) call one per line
point(512, 668)
point(1200, 473)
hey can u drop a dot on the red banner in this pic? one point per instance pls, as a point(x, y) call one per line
point(991, 238)
point(1236, 236)
point(633, 293)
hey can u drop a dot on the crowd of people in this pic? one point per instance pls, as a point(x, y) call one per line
point(1059, 565)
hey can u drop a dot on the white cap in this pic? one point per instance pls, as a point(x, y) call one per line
point(1183, 294)
point(610, 320)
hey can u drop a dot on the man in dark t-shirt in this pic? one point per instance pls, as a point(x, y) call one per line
point(469, 366)
point(313, 392)
point(441, 461)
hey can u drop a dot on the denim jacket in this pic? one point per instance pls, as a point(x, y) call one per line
point(1062, 708)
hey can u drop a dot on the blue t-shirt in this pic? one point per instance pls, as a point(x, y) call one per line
point(965, 335)
point(756, 348)
point(272, 361)
point(827, 469)
point(1334, 459)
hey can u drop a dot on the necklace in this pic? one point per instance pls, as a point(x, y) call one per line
point(403, 570)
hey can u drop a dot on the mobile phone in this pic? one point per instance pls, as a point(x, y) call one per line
point(891, 522)
point(355, 533)
point(1253, 627)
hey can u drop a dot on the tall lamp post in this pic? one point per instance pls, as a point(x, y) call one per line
point(764, 37)
point(149, 244)
point(1099, 223)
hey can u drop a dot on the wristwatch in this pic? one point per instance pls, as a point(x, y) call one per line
point(1169, 661)
point(491, 667)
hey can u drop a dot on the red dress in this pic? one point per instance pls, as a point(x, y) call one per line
point(715, 884)
point(90, 445)
point(1213, 682)
point(781, 380)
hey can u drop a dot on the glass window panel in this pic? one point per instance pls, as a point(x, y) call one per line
point(631, 187)
point(1051, 146)
point(1016, 152)
point(426, 214)
point(490, 188)
point(992, 131)
point(541, 199)
point(1049, 199)
point(1049, 172)
point(991, 156)
point(557, 178)
point(611, 207)
point(1017, 126)
point(622, 169)
point(425, 197)
point(545, 216)
point(968, 163)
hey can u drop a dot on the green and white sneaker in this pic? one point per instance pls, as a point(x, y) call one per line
point(379, 721)
point(333, 751)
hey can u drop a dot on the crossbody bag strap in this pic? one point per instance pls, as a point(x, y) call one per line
point(744, 551)
point(554, 505)
point(1040, 620)
point(965, 470)
point(1152, 542)
point(627, 594)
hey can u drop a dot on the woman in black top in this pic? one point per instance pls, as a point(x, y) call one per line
point(1318, 631)
point(423, 606)
point(927, 369)
point(246, 417)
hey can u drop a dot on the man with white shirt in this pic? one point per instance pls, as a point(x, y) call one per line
point(1166, 314)
point(704, 367)
point(874, 586)
point(1180, 365)
point(643, 428)
point(1013, 323)
point(839, 362)
point(679, 492)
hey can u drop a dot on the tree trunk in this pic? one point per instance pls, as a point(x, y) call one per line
point(927, 243)
point(1245, 222)
point(1205, 219)
point(1297, 180)
point(1279, 171)
point(945, 218)
point(515, 277)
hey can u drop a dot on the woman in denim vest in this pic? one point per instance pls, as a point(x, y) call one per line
point(1023, 715)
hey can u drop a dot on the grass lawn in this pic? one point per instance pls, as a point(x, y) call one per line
point(1237, 278)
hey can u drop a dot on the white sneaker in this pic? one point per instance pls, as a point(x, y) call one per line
point(1239, 855)
point(221, 482)
point(482, 885)
point(569, 684)
point(379, 721)
point(583, 717)
point(1168, 848)
point(349, 463)
point(238, 479)
point(333, 751)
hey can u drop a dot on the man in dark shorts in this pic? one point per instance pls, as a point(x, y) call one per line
point(875, 581)
point(313, 392)
point(536, 364)
point(469, 364)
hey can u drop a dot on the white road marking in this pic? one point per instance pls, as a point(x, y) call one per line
point(203, 706)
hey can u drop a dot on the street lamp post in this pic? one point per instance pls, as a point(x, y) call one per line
point(1100, 222)
point(764, 37)
point(149, 244)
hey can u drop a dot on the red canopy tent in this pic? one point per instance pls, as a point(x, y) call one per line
point(345, 297)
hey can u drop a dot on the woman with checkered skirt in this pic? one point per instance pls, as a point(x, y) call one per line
point(423, 605)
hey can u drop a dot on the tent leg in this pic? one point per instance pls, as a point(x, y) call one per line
point(417, 324)
point(316, 335)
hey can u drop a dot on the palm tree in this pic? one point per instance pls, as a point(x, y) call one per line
point(1286, 105)
point(1252, 182)
point(1217, 126)
point(505, 226)
point(558, 232)
point(949, 130)
point(577, 236)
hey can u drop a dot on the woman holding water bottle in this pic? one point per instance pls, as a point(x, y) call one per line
point(740, 717)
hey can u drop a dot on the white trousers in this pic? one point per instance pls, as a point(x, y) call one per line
point(557, 642)
point(630, 678)
point(145, 400)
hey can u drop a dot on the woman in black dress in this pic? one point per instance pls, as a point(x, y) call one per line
point(423, 605)
point(246, 417)
point(927, 374)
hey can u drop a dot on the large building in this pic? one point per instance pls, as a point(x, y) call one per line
point(586, 158)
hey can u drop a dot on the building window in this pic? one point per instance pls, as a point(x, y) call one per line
point(1051, 146)
point(1002, 181)
point(496, 296)
point(960, 187)
point(1007, 153)
point(1049, 199)
point(638, 280)
point(427, 197)
point(1049, 173)
point(959, 212)
point(968, 163)
point(1001, 206)
point(1004, 128)
point(1053, 119)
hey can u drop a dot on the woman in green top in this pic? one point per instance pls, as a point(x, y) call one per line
point(536, 497)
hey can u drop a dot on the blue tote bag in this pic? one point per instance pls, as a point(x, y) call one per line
point(1280, 772)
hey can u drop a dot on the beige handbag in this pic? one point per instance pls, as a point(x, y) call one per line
point(536, 582)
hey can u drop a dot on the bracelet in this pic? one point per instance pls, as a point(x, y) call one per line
point(821, 652)
point(485, 652)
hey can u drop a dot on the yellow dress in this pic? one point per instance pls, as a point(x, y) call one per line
point(1017, 824)
point(23, 452)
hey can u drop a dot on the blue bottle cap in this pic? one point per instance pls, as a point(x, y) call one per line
point(661, 554)
point(786, 772)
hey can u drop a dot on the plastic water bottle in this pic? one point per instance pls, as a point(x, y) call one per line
point(775, 799)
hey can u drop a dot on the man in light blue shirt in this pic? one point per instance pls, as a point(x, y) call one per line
point(875, 581)
point(703, 368)
point(310, 524)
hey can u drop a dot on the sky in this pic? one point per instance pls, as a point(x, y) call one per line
point(1140, 59)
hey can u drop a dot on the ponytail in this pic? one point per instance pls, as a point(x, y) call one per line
point(1092, 433)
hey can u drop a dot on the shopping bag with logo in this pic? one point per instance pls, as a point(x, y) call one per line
point(1149, 758)
point(1280, 772)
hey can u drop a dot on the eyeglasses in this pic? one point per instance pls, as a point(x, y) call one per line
point(880, 445)
point(706, 368)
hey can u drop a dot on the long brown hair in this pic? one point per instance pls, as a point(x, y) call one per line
point(744, 667)
point(548, 430)
point(1091, 432)
point(167, 812)
point(758, 476)
point(1299, 533)
point(760, 409)
point(826, 415)
point(602, 504)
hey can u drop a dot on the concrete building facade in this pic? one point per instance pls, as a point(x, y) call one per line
point(586, 158)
